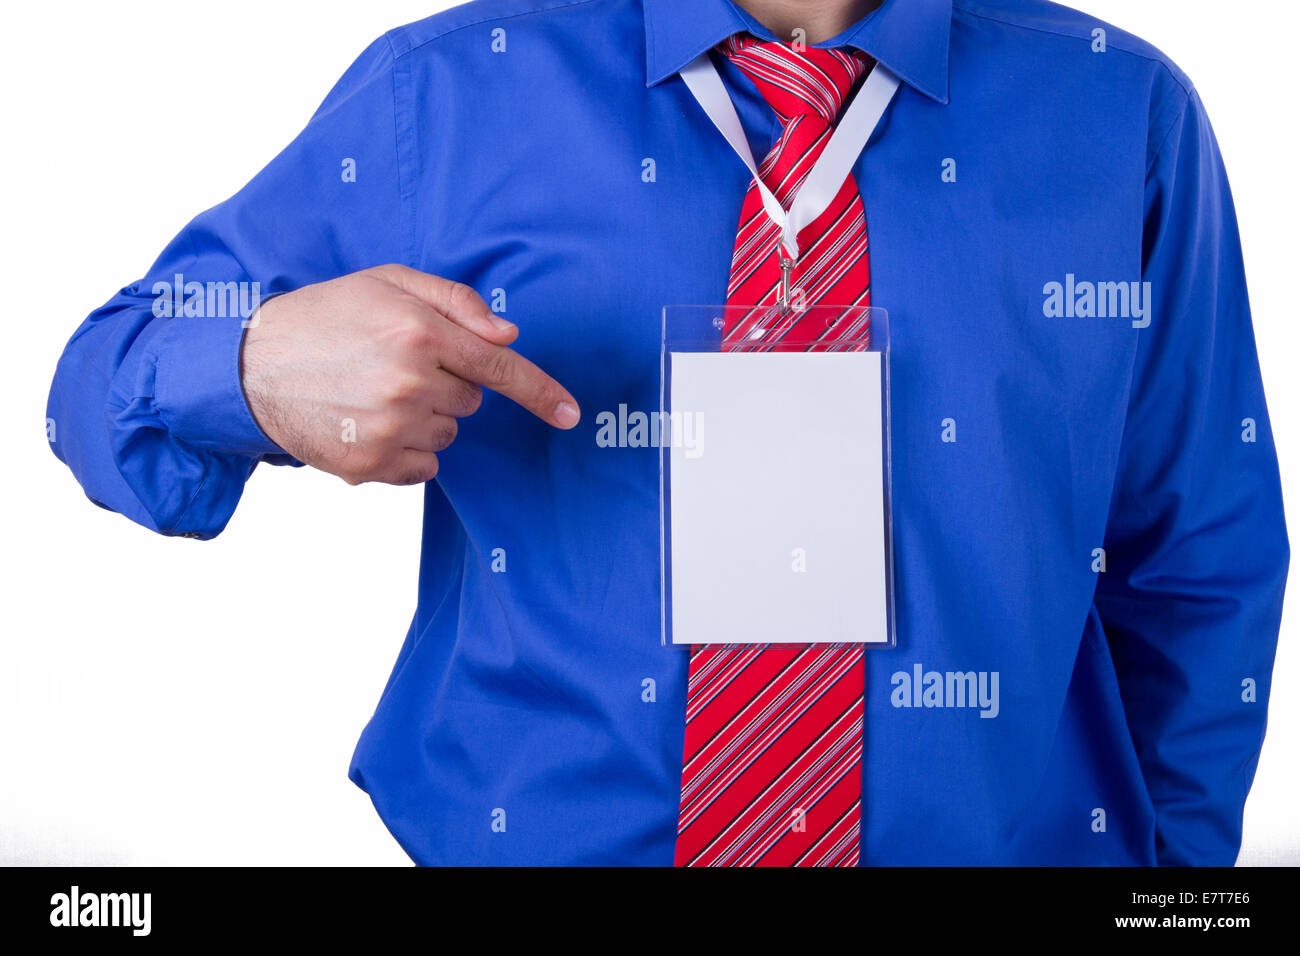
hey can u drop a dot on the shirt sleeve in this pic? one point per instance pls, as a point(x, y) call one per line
point(1196, 546)
point(147, 407)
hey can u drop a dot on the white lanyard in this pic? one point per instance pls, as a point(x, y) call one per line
point(833, 165)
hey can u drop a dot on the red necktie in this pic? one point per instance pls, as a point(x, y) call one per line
point(772, 763)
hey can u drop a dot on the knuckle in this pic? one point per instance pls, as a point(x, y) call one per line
point(548, 393)
point(466, 399)
point(409, 477)
point(401, 387)
point(475, 354)
point(385, 429)
point(444, 433)
point(460, 296)
point(412, 333)
point(389, 271)
point(499, 366)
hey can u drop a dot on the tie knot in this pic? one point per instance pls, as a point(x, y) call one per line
point(797, 82)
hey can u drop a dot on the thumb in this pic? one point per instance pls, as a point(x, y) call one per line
point(456, 301)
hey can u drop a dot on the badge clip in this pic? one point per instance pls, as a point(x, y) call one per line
point(783, 301)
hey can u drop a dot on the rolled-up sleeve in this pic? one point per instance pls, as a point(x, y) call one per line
point(1196, 544)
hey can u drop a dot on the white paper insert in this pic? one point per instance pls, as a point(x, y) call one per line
point(776, 507)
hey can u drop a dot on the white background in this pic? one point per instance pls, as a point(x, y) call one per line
point(169, 701)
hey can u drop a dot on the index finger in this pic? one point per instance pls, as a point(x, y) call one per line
point(507, 372)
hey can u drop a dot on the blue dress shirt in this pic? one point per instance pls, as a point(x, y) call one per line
point(1087, 513)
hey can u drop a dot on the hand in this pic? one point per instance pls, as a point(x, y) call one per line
point(364, 376)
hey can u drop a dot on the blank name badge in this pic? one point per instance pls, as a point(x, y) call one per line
point(775, 523)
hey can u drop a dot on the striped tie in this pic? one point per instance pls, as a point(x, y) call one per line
point(772, 763)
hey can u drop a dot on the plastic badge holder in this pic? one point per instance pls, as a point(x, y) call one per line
point(774, 475)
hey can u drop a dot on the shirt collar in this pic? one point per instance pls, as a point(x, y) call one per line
point(908, 36)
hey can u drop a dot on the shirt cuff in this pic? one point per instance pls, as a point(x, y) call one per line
point(197, 389)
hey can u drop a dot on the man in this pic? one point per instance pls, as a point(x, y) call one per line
point(1088, 533)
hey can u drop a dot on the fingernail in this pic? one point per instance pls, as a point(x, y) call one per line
point(501, 324)
point(566, 414)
